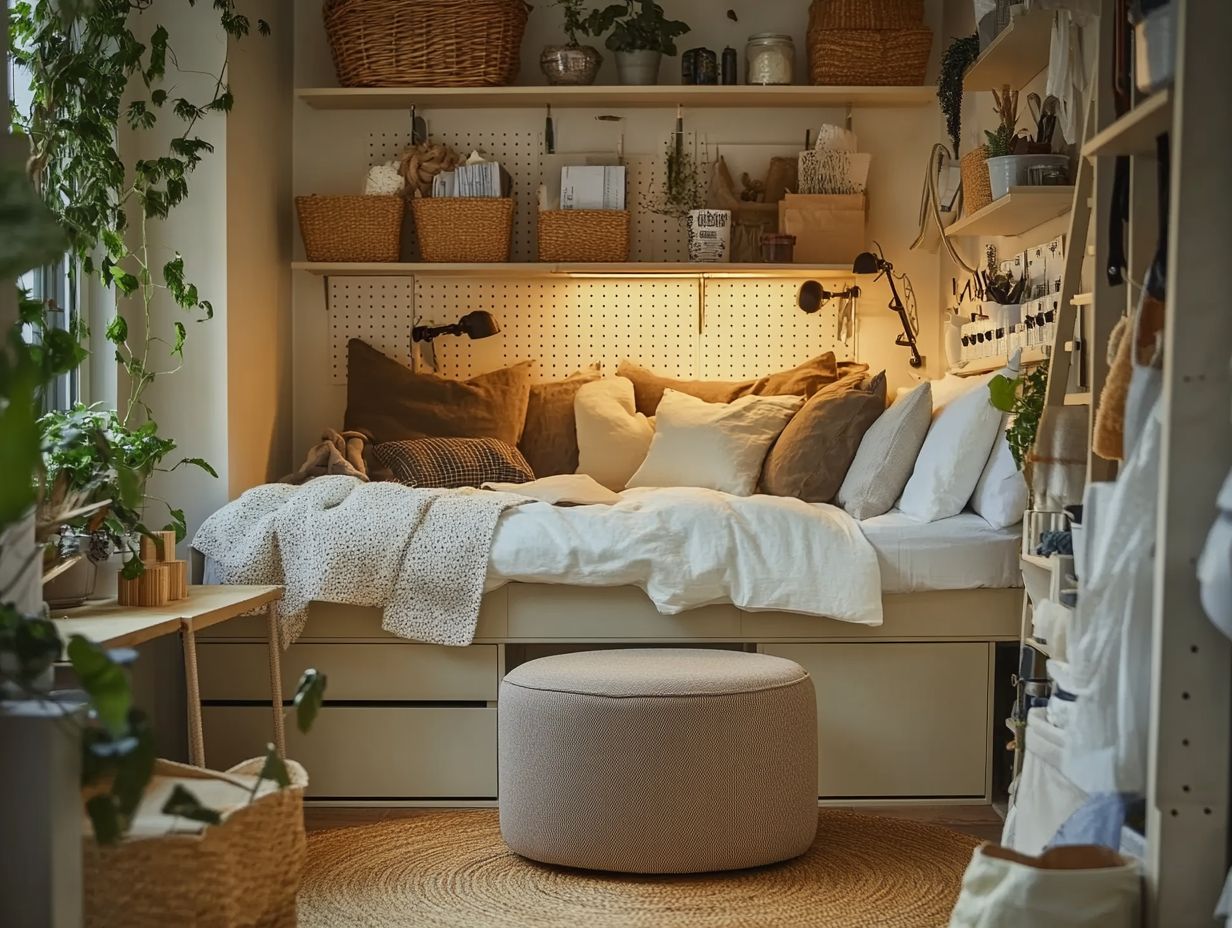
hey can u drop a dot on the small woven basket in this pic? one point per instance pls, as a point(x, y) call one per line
point(351, 228)
point(243, 873)
point(866, 14)
point(976, 189)
point(598, 235)
point(461, 230)
point(869, 57)
point(425, 43)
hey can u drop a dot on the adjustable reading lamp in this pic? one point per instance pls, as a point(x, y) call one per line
point(477, 324)
point(869, 263)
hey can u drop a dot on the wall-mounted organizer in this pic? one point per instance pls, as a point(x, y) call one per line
point(679, 327)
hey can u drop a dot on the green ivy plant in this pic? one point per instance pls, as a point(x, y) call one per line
point(961, 53)
point(90, 75)
point(637, 25)
point(1023, 398)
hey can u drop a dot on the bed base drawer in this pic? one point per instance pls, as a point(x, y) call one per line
point(612, 613)
point(356, 672)
point(899, 720)
point(368, 752)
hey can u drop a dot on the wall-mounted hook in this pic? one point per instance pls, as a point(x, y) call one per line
point(419, 128)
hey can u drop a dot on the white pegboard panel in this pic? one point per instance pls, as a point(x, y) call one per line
point(566, 325)
point(379, 310)
point(755, 327)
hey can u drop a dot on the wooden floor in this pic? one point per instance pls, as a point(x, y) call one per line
point(980, 821)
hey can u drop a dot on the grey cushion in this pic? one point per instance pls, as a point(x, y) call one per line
point(658, 760)
point(887, 454)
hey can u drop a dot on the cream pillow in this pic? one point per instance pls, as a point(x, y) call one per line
point(717, 446)
point(1001, 494)
point(613, 436)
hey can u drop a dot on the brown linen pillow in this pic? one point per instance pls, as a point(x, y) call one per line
point(815, 450)
point(803, 380)
point(550, 442)
point(394, 403)
point(454, 462)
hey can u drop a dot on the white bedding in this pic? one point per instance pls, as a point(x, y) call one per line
point(962, 552)
point(689, 547)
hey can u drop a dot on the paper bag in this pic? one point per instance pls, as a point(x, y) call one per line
point(829, 228)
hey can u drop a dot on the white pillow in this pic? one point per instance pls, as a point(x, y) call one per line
point(717, 446)
point(953, 456)
point(613, 436)
point(1001, 494)
point(951, 387)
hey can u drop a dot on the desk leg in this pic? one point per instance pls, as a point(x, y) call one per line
point(275, 669)
point(196, 737)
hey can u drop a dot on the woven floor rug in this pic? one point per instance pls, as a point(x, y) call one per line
point(451, 870)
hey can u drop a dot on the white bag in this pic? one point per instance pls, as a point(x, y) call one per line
point(1044, 798)
point(1067, 887)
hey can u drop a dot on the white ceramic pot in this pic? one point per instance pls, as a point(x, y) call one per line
point(72, 587)
point(1011, 170)
point(638, 68)
point(953, 339)
point(709, 235)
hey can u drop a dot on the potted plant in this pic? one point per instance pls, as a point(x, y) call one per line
point(572, 63)
point(640, 37)
point(1023, 398)
point(954, 63)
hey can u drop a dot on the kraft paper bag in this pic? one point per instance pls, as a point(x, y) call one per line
point(829, 227)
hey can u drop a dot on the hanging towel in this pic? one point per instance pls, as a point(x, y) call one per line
point(1215, 564)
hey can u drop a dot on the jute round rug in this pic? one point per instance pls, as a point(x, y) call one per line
point(451, 870)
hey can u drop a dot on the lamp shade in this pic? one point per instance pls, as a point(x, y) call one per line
point(866, 263)
point(479, 324)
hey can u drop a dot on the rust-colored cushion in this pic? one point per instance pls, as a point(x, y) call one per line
point(815, 450)
point(802, 380)
point(550, 442)
point(394, 403)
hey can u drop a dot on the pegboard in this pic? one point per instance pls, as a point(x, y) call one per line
point(713, 329)
point(753, 327)
point(378, 310)
point(652, 237)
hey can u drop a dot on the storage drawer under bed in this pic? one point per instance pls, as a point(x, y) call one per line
point(371, 752)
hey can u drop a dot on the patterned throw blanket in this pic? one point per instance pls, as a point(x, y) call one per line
point(420, 555)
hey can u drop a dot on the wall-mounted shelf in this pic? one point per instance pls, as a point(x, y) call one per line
point(1083, 299)
point(1019, 211)
point(1077, 399)
point(1135, 132)
point(1030, 356)
point(631, 269)
point(609, 97)
point(1015, 56)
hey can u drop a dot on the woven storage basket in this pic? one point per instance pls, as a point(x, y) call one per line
point(869, 57)
point(977, 191)
point(351, 228)
point(425, 43)
point(866, 14)
point(243, 873)
point(599, 235)
point(460, 230)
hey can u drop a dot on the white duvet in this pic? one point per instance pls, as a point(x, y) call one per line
point(688, 547)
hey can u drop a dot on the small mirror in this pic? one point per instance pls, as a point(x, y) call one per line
point(811, 296)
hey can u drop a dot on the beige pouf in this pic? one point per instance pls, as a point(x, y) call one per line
point(658, 760)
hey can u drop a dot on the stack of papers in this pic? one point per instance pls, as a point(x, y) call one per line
point(476, 178)
point(592, 187)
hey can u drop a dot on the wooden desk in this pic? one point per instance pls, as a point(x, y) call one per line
point(110, 625)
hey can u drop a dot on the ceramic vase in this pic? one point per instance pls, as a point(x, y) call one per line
point(709, 233)
point(570, 65)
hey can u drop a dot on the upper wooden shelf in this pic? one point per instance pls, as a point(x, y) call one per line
point(1015, 56)
point(546, 269)
point(1030, 357)
point(1135, 132)
point(1019, 211)
point(611, 97)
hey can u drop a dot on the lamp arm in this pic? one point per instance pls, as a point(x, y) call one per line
point(907, 339)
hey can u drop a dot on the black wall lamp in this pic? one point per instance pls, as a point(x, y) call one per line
point(813, 295)
point(869, 263)
point(474, 325)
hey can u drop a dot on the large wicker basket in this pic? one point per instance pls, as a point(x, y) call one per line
point(597, 235)
point(872, 57)
point(351, 228)
point(243, 873)
point(866, 14)
point(461, 230)
point(977, 191)
point(425, 43)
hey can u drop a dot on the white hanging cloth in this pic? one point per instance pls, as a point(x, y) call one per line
point(1215, 564)
point(1071, 66)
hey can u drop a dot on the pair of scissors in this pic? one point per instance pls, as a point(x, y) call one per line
point(1044, 112)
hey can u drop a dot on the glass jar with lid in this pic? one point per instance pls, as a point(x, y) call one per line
point(769, 58)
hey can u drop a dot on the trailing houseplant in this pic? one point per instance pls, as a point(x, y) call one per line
point(572, 63)
point(961, 53)
point(1023, 398)
point(640, 36)
point(91, 75)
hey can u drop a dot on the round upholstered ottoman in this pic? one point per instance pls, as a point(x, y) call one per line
point(658, 760)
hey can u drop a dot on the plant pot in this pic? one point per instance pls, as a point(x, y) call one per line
point(570, 65)
point(1009, 171)
point(638, 68)
point(73, 586)
point(709, 235)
